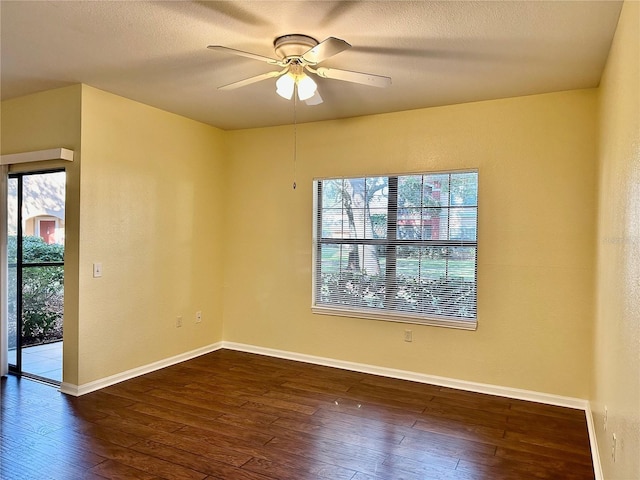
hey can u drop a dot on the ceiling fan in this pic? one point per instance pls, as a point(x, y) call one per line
point(299, 54)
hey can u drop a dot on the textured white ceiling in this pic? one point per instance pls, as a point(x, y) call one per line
point(437, 53)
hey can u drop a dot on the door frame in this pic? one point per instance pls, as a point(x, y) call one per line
point(41, 157)
point(4, 273)
point(5, 368)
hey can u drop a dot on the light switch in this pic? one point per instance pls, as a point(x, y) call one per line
point(97, 270)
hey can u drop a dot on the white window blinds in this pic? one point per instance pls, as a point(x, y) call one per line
point(398, 248)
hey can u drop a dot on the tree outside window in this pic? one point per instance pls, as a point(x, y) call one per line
point(406, 245)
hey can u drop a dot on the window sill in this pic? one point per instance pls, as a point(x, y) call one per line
point(446, 322)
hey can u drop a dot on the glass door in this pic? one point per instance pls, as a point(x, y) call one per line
point(15, 362)
point(35, 251)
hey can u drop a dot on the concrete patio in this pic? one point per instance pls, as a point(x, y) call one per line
point(42, 360)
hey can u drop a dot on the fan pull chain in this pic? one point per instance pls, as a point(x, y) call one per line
point(295, 137)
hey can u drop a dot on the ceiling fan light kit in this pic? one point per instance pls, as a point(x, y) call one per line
point(296, 79)
point(299, 53)
point(306, 87)
point(285, 86)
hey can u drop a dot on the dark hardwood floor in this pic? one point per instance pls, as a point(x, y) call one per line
point(232, 415)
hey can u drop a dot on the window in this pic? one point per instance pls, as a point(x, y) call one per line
point(400, 248)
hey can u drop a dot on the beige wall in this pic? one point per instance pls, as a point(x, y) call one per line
point(537, 178)
point(147, 203)
point(185, 217)
point(38, 122)
point(155, 189)
point(151, 207)
point(617, 325)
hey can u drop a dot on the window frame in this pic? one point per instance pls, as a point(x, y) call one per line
point(392, 213)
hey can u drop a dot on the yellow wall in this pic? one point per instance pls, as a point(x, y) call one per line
point(151, 207)
point(158, 191)
point(147, 203)
point(185, 217)
point(537, 177)
point(617, 326)
point(38, 122)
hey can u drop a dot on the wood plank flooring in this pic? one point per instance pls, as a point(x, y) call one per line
point(230, 415)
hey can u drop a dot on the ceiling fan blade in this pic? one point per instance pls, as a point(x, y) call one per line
point(325, 49)
point(355, 77)
point(315, 100)
point(241, 53)
point(250, 80)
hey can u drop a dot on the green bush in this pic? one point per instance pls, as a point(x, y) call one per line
point(452, 296)
point(35, 249)
point(42, 291)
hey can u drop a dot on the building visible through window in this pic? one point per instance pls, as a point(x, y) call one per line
point(398, 247)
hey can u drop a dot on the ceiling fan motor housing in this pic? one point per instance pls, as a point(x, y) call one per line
point(294, 45)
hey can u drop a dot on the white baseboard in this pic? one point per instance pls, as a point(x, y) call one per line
point(78, 390)
point(593, 443)
point(515, 393)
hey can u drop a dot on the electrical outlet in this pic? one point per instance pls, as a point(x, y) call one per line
point(606, 416)
point(408, 336)
point(198, 316)
point(178, 322)
point(613, 448)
